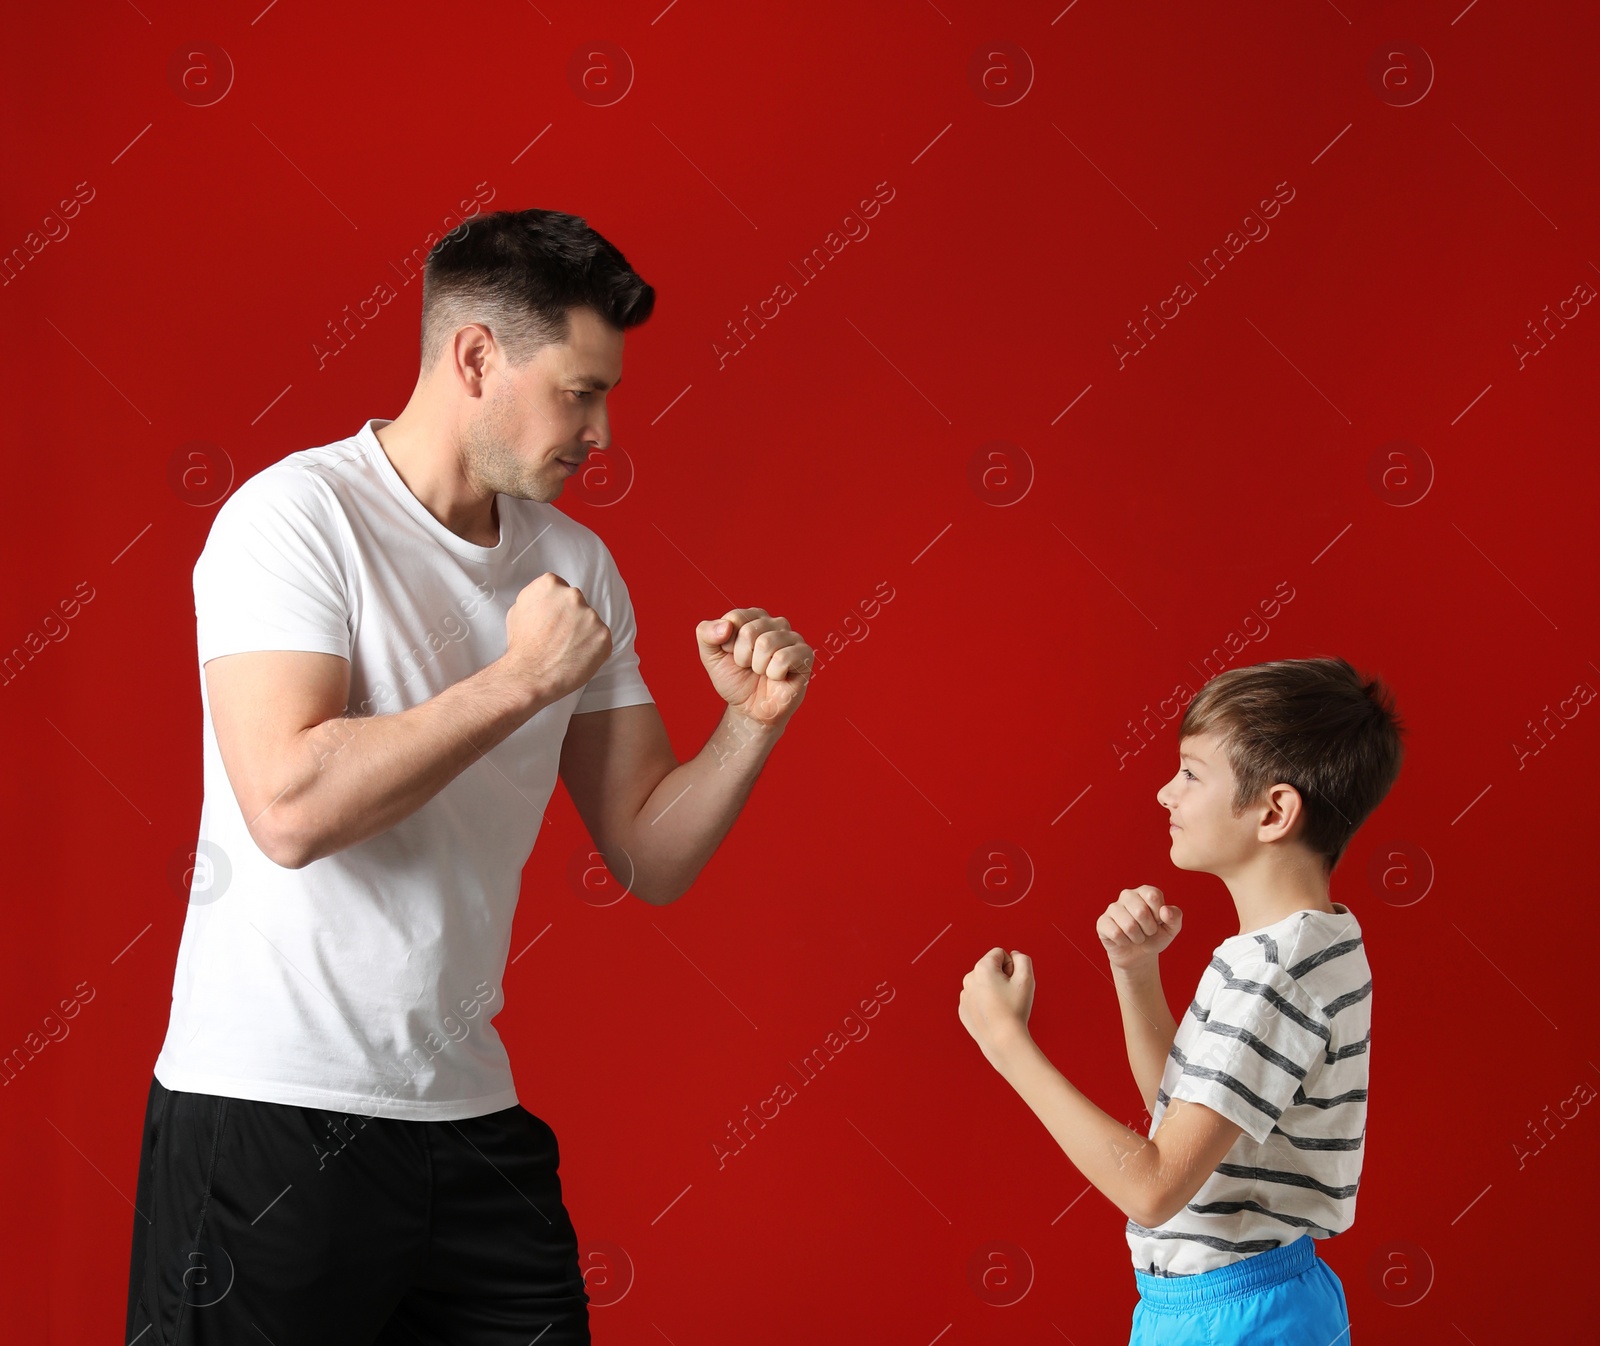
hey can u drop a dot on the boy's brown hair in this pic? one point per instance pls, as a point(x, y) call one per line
point(1315, 724)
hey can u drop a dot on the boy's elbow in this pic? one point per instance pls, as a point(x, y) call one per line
point(1154, 1209)
point(1157, 1201)
point(1168, 1193)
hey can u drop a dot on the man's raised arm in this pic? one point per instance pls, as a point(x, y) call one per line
point(311, 782)
point(657, 821)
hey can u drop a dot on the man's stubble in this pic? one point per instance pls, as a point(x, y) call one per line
point(489, 459)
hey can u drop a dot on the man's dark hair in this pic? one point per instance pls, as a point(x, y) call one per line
point(518, 272)
point(1315, 724)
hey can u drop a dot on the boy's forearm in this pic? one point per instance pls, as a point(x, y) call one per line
point(684, 820)
point(1147, 1026)
point(1121, 1163)
point(354, 777)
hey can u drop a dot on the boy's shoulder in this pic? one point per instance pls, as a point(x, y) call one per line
point(1318, 954)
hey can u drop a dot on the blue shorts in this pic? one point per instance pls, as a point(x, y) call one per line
point(1288, 1296)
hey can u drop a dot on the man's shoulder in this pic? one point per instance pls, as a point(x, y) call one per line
point(286, 493)
point(304, 482)
point(324, 464)
point(295, 504)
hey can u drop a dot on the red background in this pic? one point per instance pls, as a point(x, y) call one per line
point(833, 455)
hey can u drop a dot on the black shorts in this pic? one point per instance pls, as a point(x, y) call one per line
point(260, 1222)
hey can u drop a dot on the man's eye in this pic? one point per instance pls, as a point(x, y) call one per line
point(576, 393)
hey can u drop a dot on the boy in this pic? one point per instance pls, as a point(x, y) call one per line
point(1258, 1100)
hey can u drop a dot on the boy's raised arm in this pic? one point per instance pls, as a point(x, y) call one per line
point(1133, 933)
point(1147, 1026)
point(1136, 1173)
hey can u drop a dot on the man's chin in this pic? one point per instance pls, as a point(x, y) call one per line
point(540, 489)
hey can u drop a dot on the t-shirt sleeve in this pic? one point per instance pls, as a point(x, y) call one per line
point(1262, 1038)
point(618, 682)
point(270, 575)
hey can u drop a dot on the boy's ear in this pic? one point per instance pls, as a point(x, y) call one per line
point(1284, 809)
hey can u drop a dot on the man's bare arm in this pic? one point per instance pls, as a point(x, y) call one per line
point(690, 811)
point(311, 781)
point(658, 821)
point(611, 761)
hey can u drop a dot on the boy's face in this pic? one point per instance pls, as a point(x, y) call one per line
point(1205, 834)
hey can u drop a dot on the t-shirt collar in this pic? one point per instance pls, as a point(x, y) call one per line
point(471, 551)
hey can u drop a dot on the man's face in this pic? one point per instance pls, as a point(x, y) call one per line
point(1205, 834)
point(538, 423)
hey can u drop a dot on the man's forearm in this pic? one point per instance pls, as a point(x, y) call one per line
point(1147, 1026)
point(1122, 1164)
point(352, 778)
point(686, 817)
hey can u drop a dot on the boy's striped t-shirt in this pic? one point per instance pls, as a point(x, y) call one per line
point(1276, 1039)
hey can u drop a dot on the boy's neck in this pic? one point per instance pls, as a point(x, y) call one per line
point(1261, 920)
point(1277, 888)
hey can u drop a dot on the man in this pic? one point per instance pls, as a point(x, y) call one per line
point(401, 642)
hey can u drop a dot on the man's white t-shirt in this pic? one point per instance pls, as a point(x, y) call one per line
point(366, 981)
point(1277, 1039)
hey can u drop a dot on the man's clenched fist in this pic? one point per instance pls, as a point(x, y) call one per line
point(757, 664)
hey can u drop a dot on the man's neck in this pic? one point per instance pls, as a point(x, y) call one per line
point(412, 453)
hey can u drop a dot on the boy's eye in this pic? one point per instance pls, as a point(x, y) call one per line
point(1189, 774)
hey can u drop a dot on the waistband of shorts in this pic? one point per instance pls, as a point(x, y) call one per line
point(1177, 1294)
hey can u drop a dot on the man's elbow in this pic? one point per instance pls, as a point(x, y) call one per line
point(281, 841)
point(659, 890)
point(283, 854)
point(656, 897)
